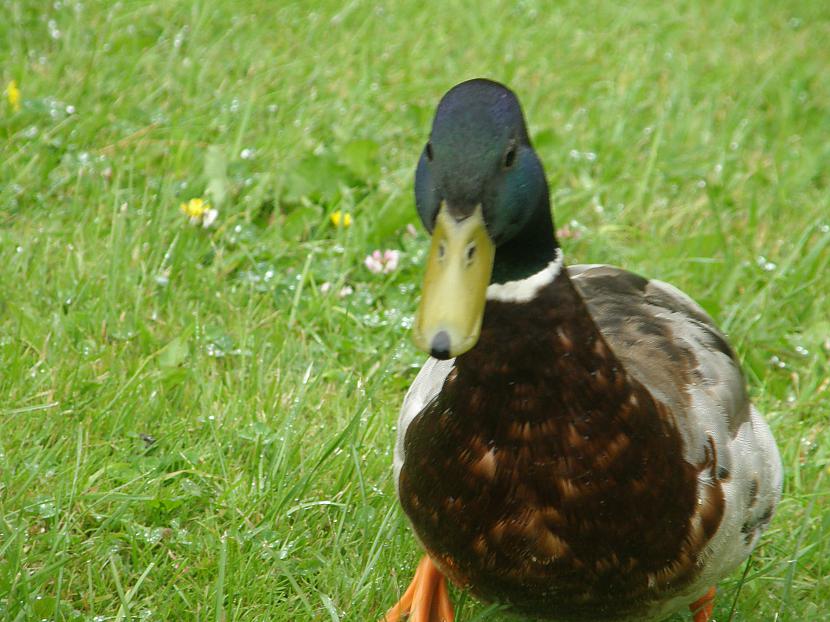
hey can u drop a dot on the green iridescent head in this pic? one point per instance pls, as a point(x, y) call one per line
point(481, 192)
point(479, 153)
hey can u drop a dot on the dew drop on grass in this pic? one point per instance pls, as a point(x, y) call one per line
point(765, 265)
point(802, 350)
point(47, 509)
point(808, 445)
point(214, 350)
point(54, 32)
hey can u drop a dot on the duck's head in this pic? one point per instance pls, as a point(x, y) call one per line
point(481, 192)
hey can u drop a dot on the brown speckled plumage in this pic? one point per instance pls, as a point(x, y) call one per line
point(548, 478)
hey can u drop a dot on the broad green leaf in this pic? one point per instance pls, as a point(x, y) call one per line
point(317, 178)
point(361, 157)
point(174, 353)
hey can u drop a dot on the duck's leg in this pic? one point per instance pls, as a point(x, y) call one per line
point(702, 608)
point(426, 599)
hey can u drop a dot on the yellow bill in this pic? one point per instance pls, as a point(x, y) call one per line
point(460, 263)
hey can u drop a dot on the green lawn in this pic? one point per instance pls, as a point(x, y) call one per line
point(191, 429)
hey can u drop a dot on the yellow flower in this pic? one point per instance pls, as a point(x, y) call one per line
point(195, 208)
point(341, 219)
point(199, 212)
point(13, 94)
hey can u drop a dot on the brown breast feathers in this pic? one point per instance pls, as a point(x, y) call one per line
point(544, 477)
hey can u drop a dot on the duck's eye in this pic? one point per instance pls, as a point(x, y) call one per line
point(510, 157)
point(429, 151)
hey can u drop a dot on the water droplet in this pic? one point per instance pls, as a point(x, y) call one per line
point(802, 350)
point(765, 265)
point(246, 154)
point(214, 351)
point(54, 32)
point(179, 38)
point(47, 509)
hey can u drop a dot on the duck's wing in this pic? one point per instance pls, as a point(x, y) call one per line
point(424, 388)
point(671, 345)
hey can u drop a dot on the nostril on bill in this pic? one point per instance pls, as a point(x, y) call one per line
point(440, 346)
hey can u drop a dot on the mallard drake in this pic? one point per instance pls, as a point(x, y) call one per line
point(580, 445)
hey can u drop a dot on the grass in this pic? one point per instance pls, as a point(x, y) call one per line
point(191, 430)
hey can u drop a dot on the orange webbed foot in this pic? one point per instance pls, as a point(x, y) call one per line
point(702, 608)
point(427, 598)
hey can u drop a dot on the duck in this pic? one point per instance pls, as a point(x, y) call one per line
point(580, 445)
